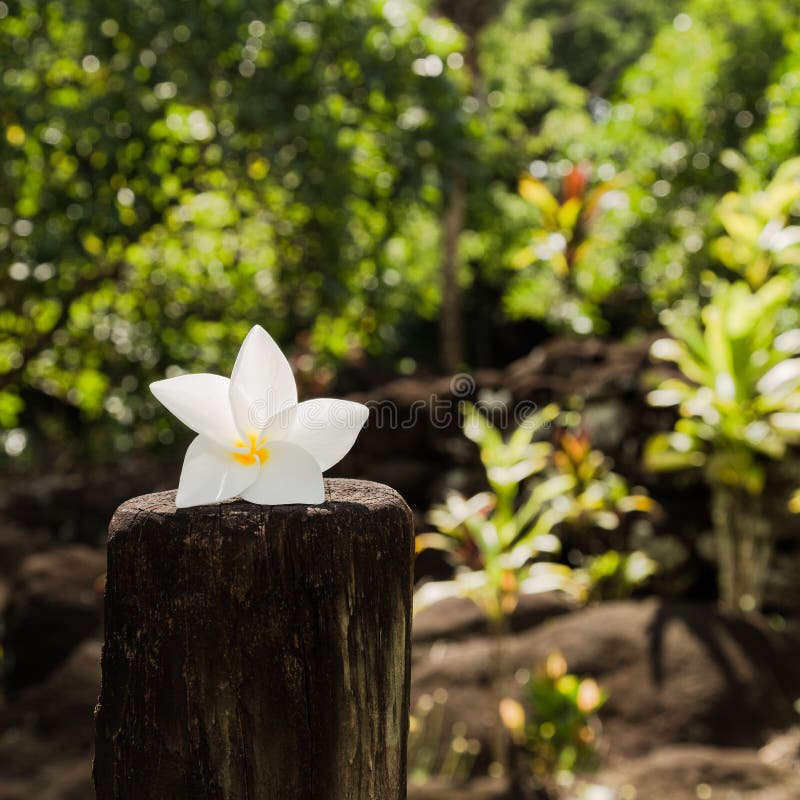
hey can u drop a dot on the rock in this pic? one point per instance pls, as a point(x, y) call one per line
point(76, 507)
point(562, 364)
point(69, 779)
point(457, 618)
point(673, 672)
point(686, 772)
point(47, 732)
point(55, 602)
point(479, 789)
point(15, 544)
point(62, 706)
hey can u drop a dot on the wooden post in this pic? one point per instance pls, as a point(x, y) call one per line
point(257, 652)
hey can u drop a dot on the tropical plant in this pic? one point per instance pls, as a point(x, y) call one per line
point(557, 725)
point(739, 405)
point(561, 240)
point(759, 241)
point(495, 537)
point(598, 500)
point(598, 497)
point(499, 540)
point(614, 575)
point(558, 270)
point(541, 493)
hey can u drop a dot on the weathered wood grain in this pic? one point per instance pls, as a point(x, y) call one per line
point(257, 652)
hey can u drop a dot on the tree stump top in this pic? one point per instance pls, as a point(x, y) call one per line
point(257, 652)
point(341, 494)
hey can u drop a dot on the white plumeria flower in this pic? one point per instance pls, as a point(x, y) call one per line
point(254, 439)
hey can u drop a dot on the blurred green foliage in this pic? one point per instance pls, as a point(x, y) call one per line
point(702, 79)
point(557, 725)
point(501, 542)
point(739, 405)
point(495, 538)
point(739, 399)
point(614, 575)
point(173, 174)
point(758, 243)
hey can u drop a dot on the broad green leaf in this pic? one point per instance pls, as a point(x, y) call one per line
point(736, 221)
point(546, 577)
point(541, 494)
point(481, 431)
point(568, 214)
point(434, 591)
point(435, 541)
point(536, 193)
point(672, 451)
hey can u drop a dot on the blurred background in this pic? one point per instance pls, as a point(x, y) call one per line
point(585, 208)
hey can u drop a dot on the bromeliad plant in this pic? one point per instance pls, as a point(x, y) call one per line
point(739, 405)
point(495, 537)
point(759, 240)
point(498, 539)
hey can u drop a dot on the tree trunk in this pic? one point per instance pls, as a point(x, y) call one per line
point(452, 345)
point(744, 545)
point(257, 652)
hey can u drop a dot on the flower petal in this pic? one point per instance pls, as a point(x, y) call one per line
point(279, 426)
point(327, 428)
point(289, 475)
point(211, 474)
point(201, 402)
point(262, 383)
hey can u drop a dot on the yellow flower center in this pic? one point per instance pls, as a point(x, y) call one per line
point(258, 451)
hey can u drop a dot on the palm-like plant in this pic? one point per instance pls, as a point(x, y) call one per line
point(759, 242)
point(494, 537)
point(739, 405)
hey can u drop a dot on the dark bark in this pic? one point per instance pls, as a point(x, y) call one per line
point(470, 15)
point(257, 652)
point(452, 340)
